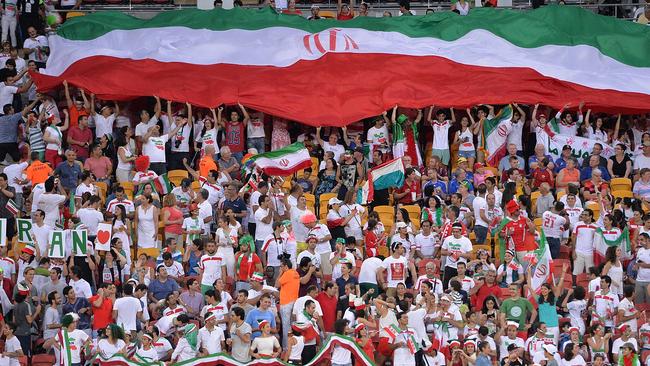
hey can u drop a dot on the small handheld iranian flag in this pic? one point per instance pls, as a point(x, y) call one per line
point(601, 243)
point(495, 133)
point(12, 207)
point(542, 269)
point(386, 175)
point(162, 184)
point(283, 162)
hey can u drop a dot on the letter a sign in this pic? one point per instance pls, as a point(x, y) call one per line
point(56, 244)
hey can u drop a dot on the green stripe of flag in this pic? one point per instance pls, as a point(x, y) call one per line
point(550, 25)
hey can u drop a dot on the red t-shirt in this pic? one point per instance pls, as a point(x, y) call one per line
point(542, 175)
point(485, 291)
point(85, 135)
point(246, 269)
point(103, 315)
point(342, 16)
point(521, 237)
point(235, 136)
point(75, 114)
point(414, 187)
point(328, 305)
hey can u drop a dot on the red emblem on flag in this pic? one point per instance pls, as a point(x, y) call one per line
point(284, 162)
point(331, 40)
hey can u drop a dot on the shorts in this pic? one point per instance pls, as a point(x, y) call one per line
point(443, 154)
point(467, 154)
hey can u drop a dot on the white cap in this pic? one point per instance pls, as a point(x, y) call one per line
point(400, 225)
point(334, 201)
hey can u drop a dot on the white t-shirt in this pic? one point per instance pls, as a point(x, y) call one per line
point(337, 149)
point(128, 206)
point(49, 203)
point(11, 345)
point(211, 267)
point(643, 255)
point(210, 340)
point(81, 288)
point(416, 321)
point(426, 244)
point(584, 235)
point(441, 134)
point(42, 235)
point(104, 125)
point(606, 306)
point(629, 309)
point(127, 308)
point(576, 307)
point(265, 345)
point(461, 245)
point(108, 350)
point(315, 258)
point(321, 231)
point(183, 135)
point(514, 137)
point(77, 339)
point(368, 272)
point(396, 269)
point(299, 229)
point(175, 270)
point(640, 161)
point(262, 230)
point(255, 127)
point(14, 171)
point(91, 218)
point(619, 342)
point(83, 188)
point(378, 136)
point(353, 226)
point(205, 211)
point(155, 148)
point(272, 246)
point(505, 342)
point(7, 93)
point(38, 55)
point(142, 128)
point(336, 270)
point(553, 224)
point(149, 355)
point(162, 346)
point(478, 204)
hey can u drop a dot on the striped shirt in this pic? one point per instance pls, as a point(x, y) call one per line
point(36, 141)
point(642, 189)
point(211, 267)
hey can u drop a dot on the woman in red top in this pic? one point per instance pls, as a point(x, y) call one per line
point(235, 138)
point(543, 173)
point(372, 240)
point(172, 218)
point(344, 11)
point(363, 339)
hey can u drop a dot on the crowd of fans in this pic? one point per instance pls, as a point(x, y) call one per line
point(416, 276)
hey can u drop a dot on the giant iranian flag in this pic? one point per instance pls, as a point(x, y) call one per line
point(330, 72)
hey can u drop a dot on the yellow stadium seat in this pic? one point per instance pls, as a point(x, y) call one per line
point(622, 194)
point(314, 168)
point(325, 197)
point(560, 194)
point(102, 190)
point(327, 14)
point(74, 14)
point(538, 222)
point(621, 184)
point(196, 185)
point(414, 212)
point(176, 176)
point(595, 208)
point(151, 252)
point(384, 209)
point(533, 198)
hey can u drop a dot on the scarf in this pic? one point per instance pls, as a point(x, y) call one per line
point(191, 335)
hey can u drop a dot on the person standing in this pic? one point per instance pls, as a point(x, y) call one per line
point(289, 283)
point(240, 336)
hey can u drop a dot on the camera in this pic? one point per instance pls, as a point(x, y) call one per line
point(177, 143)
point(284, 256)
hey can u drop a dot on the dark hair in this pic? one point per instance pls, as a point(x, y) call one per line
point(628, 290)
point(579, 293)
point(568, 351)
point(51, 297)
point(239, 312)
point(339, 325)
point(607, 279)
point(128, 289)
point(67, 290)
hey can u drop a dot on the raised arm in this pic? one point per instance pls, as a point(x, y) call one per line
point(346, 139)
point(247, 118)
point(616, 127)
point(534, 118)
point(393, 117)
point(453, 115)
point(430, 114)
point(157, 109)
point(67, 94)
point(116, 110)
point(66, 120)
point(92, 104)
point(85, 99)
point(29, 108)
point(419, 116)
point(521, 111)
point(192, 172)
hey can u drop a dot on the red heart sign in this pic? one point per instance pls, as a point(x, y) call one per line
point(103, 236)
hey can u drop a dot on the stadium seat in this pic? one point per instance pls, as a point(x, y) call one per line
point(43, 360)
point(583, 280)
point(176, 176)
point(622, 194)
point(102, 190)
point(533, 198)
point(560, 194)
point(196, 186)
point(596, 209)
point(128, 189)
point(621, 184)
point(538, 222)
point(565, 252)
point(384, 209)
point(414, 213)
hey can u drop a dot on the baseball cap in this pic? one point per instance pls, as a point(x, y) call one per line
point(334, 201)
point(400, 225)
point(550, 348)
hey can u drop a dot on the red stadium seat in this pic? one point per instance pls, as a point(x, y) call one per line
point(43, 360)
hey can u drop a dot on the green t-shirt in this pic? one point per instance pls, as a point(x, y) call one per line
point(517, 310)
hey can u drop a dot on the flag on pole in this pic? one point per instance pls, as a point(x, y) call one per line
point(283, 162)
point(12, 207)
point(503, 242)
point(544, 261)
point(601, 243)
point(72, 204)
point(386, 175)
point(495, 134)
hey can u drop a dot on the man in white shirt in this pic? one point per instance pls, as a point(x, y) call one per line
point(211, 267)
point(481, 220)
point(331, 144)
point(80, 286)
point(180, 141)
point(127, 309)
point(554, 225)
point(323, 237)
point(211, 338)
point(643, 267)
point(121, 199)
point(263, 223)
point(105, 119)
point(147, 121)
point(15, 175)
point(582, 242)
point(605, 303)
point(457, 248)
point(41, 232)
point(91, 216)
point(395, 266)
point(205, 212)
point(153, 145)
point(426, 241)
point(49, 201)
point(643, 160)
